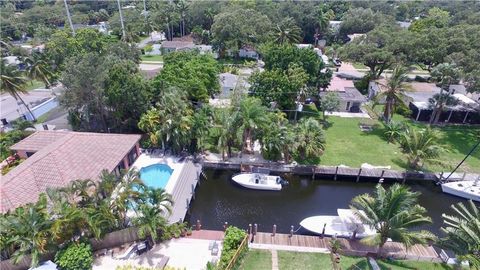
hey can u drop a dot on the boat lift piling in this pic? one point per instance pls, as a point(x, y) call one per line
point(274, 230)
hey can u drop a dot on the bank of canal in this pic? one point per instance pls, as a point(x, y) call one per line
point(218, 200)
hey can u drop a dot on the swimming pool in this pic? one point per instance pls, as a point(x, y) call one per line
point(156, 175)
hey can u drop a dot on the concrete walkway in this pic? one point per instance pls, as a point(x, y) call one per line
point(287, 248)
point(348, 114)
point(274, 259)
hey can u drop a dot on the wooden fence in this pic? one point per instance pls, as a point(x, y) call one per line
point(237, 254)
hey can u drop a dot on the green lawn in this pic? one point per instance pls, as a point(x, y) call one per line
point(401, 265)
point(158, 58)
point(305, 260)
point(34, 84)
point(256, 259)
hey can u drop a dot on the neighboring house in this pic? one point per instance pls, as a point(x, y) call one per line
point(335, 25)
point(351, 99)
point(405, 25)
point(175, 46)
point(206, 49)
point(304, 46)
point(248, 52)
point(156, 50)
point(352, 37)
point(230, 82)
point(55, 158)
point(467, 111)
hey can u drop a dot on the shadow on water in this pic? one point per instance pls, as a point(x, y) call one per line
point(219, 200)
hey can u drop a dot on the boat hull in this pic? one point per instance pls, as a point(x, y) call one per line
point(464, 189)
point(247, 180)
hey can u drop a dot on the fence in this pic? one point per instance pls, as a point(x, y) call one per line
point(237, 254)
point(42, 108)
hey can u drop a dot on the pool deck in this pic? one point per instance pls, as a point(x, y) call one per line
point(182, 182)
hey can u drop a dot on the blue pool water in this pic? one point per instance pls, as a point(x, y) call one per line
point(156, 175)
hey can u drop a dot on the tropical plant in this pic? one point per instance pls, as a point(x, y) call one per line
point(13, 82)
point(463, 232)
point(149, 220)
point(38, 68)
point(393, 130)
point(75, 256)
point(252, 114)
point(393, 91)
point(309, 141)
point(127, 195)
point(392, 213)
point(224, 130)
point(158, 198)
point(277, 138)
point(29, 231)
point(231, 243)
point(421, 146)
point(287, 31)
point(329, 103)
point(444, 75)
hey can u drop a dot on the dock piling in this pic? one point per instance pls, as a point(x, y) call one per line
point(250, 228)
point(198, 226)
point(255, 229)
point(291, 231)
point(336, 172)
point(274, 230)
point(404, 177)
point(225, 226)
point(313, 173)
point(358, 176)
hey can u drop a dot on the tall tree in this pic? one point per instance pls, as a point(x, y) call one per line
point(287, 31)
point(252, 114)
point(13, 82)
point(421, 146)
point(444, 75)
point(309, 140)
point(393, 91)
point(38, 68)
point(392, 213)
point(329, 103)
point(462, 230)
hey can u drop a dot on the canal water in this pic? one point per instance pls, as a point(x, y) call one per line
point(219, 200)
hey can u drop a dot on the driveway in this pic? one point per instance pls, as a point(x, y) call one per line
point(154, 37)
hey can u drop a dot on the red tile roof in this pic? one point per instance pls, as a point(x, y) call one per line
point(68, 156)
point(38, 140)
point(338, 84)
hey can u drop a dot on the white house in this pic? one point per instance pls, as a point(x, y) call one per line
point(248, 52)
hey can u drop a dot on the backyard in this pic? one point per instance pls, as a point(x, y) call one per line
point(153, 58)
point(261, 259)
point(348, 145)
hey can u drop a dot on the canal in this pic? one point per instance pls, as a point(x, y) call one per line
point(219, 200)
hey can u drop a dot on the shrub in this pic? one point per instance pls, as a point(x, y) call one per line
point(231, 242)
point(76, 256)
point(362, 85)
point(403, 110)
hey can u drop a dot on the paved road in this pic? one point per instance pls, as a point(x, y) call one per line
point(9, 108)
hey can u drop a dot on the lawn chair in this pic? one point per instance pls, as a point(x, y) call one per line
point(162, 263)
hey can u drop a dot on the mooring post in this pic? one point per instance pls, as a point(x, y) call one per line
point(313, 173)
point(336, 172)
point(225, 226)
point(291, 231)
point(198, 226)
point(383, 172)
point(250, 228)
point(441, 176)
point(255, 229)
point(404, 177)
point(358, 176)
point(274, 230)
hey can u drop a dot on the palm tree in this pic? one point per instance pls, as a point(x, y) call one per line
point(226, 122)
point(392, 213)
point(251, 115)
point(13, 83)
point(445, 75)
point(394, 90)
point(149, 123)
point(463, 233)
point(277, 138)
point(127, 195)
point(158, 198)
point(393, 130)
point(30, 227)
point(323, 21)
point(149, 221)
point(287, 31)
point(421, 146)
point(309, 139)
point(37, 68)
point(182, 8)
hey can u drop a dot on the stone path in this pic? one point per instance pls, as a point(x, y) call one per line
point(274, 259)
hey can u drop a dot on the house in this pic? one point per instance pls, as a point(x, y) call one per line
point(417, 98)
point(175, 46)
point(55, 158)
point(206, 49)
point(230, 82)
point(351, 99)
point(248, 52)
point(352, 37)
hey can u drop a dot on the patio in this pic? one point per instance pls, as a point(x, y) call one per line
point(178, 250)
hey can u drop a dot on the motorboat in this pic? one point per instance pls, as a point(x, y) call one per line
point(260, 181)
point(346, 224)
point(465, 189)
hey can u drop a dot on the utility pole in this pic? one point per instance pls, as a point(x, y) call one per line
point(145, 9)
point(69, 18)
point(121, 19)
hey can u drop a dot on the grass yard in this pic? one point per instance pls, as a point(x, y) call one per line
point(401, 265)
point(34, 84)
point(256, 259)
point(309, 261)
point(157, 58)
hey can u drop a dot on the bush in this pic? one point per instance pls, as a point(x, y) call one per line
point(420, 79)
point(231, 242)
point(8, 139)
point(362, 85)
point(403, 110)
point(76, 256)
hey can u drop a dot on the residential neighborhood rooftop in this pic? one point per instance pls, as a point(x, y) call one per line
point(62, 157)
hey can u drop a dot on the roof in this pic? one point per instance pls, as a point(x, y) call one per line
point(69, 156)
point(349, 94)
point(338, 84)
point(38, 140)
point(178, 44)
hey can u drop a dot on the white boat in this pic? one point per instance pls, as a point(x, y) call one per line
point(465, 189)
point(343, 225)
point(259, 181)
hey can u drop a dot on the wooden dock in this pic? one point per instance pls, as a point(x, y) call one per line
point(349, 247)
point(334, 172)
point(184, 190)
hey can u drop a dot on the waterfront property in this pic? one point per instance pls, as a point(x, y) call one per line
point(177, 176)
point(351, 99)
point(55, 158)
